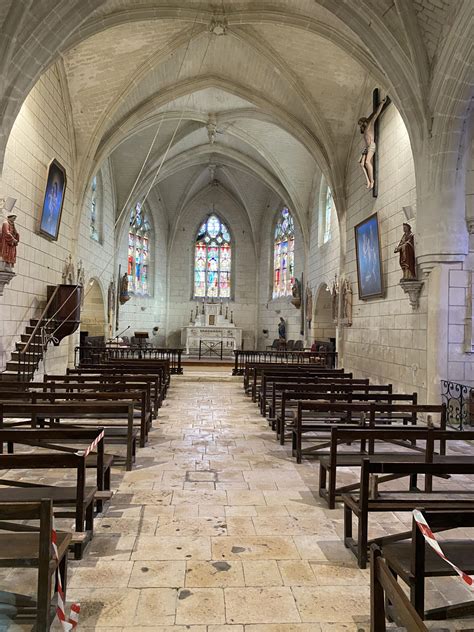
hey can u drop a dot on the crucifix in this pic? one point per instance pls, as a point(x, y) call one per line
point(369, 127)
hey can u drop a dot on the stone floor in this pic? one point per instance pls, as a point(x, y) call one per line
point(218, 530)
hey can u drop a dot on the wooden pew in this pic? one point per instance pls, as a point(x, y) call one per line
point(326, 415)
point(413, 560)
point(350, 396)
point(253, 369)
point(384, 587)
point(67, 439)
point(24, 546)
point(256, 373)
point(35, 415)
point(367, 438)
point(81, 497)
point(361, 504)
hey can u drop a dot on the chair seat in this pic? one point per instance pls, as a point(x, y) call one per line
point(22, 549)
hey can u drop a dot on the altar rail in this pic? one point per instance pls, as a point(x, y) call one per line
point(459, 402)
point(329, 358)
point(97, 355)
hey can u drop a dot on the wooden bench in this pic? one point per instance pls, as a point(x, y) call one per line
point(325, 415)
point(257, 373)
point(66, 439)
point(290, 399)
point(361, 504)
point(80, 497)
point(24, 546)
point(368, 439)
point(384, 587)
point(413, 560)
point(35, 415)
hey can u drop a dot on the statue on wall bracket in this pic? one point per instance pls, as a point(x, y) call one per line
point(406, 248)
point(346, 306)
point(9, 239)
point(296, 293)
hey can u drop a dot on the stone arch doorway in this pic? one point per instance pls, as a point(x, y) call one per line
point(323, 326)
point(93, 310)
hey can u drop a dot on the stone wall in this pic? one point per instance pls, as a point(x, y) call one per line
point(40, 133)
point(387, 341)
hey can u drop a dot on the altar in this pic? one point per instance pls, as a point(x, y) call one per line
point(211, 323)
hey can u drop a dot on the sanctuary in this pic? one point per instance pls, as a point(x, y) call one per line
point(211, 332)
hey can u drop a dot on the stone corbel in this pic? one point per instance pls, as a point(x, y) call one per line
point(413, 289)
point(6, 275)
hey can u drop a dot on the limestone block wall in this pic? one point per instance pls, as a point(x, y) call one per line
point(244, 266)
point(40, 133)
point(323, 265)
point(270, 310)
point(144, 313)
point(99, 257)
point(387, 341)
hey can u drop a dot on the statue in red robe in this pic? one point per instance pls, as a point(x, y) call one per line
point(9, 238)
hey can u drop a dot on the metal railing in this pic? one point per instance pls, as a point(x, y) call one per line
point(33, 351)
point(458, 399)
point(98, 355)
point(210, 349)
point(326, 358)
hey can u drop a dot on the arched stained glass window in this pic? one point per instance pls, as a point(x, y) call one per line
point(212, 260)
point(284, 255)
point(139, 252)
point(94, 215)
point(327, 217)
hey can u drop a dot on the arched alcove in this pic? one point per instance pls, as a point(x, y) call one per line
point(93, 310)
point(323, 326)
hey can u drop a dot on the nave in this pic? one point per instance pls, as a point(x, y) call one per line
point(217, 529)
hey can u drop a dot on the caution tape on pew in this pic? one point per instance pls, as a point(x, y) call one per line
point(67, 623)
point(429, 536)
point(94, 444)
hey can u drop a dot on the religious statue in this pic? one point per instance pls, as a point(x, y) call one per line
point(406, 248)
point(282, 330)
point(366, 126)
point(68, 271)
point(124, 295)
point(9, 238)
point(309, 305)
point(111, 301)
point(347, 302)
point(334, 298)
point(81, 274)
point(296, 292)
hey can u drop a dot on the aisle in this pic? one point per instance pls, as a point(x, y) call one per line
point(217, 530)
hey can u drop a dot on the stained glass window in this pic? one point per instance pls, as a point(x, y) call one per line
point(94, 215)
point(284, 255)
point(212, 260)
point(327, 216)
point(139, 252)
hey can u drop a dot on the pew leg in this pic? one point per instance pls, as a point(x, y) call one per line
point(43, 606)
point(293, 443)
point(362, 538)
point(322, 480)
point(332, 488)
point(417, 595)
point(413, 482)
point(10, 447)
point(388, 603)
point(347, 526)
point(282, 431)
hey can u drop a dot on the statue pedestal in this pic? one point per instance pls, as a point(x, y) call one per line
point(6, 275)
point(413, 289)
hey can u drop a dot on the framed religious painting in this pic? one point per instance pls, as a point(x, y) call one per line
point(369, 258)
point(53, 201)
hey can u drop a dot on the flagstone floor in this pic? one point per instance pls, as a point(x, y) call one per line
point(218, 530)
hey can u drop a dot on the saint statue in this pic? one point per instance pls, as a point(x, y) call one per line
point(282, 330)
point(9, 238)
point(366, 126)
point(296, 292)
point(309, 305)
point(124, 295)
point(347, 302)
point(81, 274)
point(334, 299)
point(111, 301)
point(68, 271)
point(406, 248)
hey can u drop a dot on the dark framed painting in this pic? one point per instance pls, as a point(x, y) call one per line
point(369, 258)
point(53, 201)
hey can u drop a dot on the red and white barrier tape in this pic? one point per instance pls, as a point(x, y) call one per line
point(94, 444)
point(71, 622)
point(424, 527)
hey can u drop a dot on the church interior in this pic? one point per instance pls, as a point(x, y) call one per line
point(236, 315)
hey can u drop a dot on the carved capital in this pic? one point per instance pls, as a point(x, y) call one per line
point(413, 289)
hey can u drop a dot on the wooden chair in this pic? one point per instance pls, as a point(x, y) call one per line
point(384, 586)
point(25, 546)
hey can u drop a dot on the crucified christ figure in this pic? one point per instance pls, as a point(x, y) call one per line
point(366, 158)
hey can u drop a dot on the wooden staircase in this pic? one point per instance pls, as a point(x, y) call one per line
point(24, 367)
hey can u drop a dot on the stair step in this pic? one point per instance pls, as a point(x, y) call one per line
point(14, 366)
point(34, 346)
point(36, 338)
point(29, 355)
point(8, 376)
